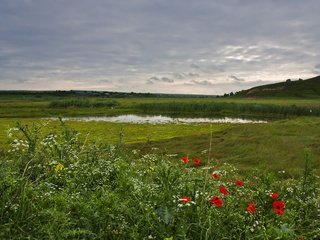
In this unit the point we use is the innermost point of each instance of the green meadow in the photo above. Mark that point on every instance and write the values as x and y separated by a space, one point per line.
109 180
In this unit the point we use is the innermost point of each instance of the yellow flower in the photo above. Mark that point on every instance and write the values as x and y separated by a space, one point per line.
59 167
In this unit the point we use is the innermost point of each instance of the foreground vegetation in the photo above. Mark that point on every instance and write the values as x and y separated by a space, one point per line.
54 186
168 181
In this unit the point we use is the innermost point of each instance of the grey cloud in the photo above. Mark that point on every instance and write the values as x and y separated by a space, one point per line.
316 69
104 81
21 80
179 75
193 74
234 78
165 79
154 79
195 66
149 81
63 41
203 82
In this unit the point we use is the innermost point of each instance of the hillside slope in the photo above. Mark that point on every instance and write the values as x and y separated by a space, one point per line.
309 88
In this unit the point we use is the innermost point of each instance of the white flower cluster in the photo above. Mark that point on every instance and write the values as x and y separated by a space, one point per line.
150 158
49 141
19 145
290 189
11 131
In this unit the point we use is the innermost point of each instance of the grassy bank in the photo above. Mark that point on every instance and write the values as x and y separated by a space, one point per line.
273 146
113 133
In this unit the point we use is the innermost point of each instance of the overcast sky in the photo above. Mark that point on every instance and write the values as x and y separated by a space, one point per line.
170 46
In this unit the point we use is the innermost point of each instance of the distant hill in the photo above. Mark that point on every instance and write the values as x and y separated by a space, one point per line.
309 88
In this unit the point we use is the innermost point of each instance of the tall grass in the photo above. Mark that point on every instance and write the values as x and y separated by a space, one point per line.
228 108
82 103
57 187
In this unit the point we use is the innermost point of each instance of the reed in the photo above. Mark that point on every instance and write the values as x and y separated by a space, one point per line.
229 108
82 103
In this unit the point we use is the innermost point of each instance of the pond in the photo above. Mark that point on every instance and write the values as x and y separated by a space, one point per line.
160 119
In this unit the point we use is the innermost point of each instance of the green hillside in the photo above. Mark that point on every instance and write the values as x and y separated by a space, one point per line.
309 88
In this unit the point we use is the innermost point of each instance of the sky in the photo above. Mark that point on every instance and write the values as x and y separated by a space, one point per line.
158 46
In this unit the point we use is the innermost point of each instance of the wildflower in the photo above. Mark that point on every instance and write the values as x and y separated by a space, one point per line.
223 190
196 161
59 167
217 201
290 189
274 195
215 175
239 183
278 207
251 208
185 159
184 199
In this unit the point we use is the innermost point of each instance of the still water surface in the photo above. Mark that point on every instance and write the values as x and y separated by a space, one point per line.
159 119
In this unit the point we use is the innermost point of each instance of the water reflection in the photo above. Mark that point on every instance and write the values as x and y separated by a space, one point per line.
159 119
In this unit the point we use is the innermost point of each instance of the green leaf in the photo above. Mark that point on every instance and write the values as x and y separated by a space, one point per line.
165 214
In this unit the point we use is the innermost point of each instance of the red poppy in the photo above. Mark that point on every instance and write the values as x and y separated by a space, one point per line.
251 208
278 207
215 175
185 159
239 183
274 195
217 201
223 190
184 199
280 212
196 161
